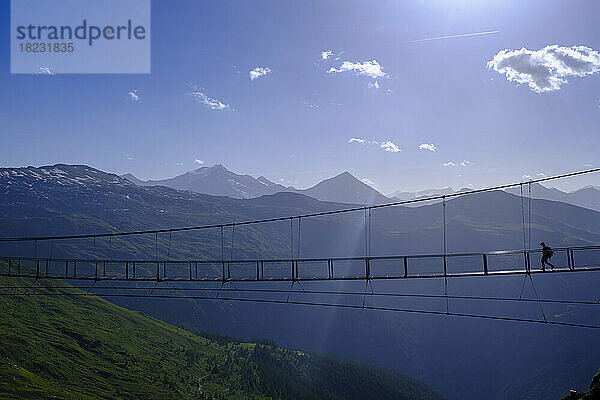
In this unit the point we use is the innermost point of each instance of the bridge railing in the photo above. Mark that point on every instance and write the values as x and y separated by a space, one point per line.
505 262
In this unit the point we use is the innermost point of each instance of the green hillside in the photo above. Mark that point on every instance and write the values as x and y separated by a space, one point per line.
82 347
593 394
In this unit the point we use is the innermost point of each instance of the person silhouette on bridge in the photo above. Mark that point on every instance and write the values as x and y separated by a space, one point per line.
547 254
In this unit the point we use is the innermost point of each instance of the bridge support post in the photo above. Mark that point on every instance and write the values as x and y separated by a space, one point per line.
572 259
293 271
37 269
367 268
405 266
9 265
258 270
485 265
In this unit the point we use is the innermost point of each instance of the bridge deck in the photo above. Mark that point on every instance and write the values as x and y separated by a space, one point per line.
494 263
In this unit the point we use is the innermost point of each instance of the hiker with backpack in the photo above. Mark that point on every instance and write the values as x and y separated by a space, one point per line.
547 254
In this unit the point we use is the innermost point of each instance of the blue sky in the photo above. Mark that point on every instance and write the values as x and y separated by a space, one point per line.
293 123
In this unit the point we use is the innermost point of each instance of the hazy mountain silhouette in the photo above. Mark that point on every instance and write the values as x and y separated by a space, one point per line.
344 188
217 181
401 195
588 197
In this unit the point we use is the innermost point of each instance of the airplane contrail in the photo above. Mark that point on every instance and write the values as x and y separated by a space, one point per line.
452 36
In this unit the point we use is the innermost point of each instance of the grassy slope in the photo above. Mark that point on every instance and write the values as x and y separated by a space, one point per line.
82 347
593 394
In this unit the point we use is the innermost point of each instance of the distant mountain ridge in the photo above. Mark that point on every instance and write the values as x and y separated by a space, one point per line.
216 181
219 181
587 197
344 188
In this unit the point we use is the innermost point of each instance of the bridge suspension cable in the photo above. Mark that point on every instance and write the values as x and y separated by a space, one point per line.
333 305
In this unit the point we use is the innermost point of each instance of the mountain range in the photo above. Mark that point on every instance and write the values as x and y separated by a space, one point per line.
342 188
588 197
218 181
452 355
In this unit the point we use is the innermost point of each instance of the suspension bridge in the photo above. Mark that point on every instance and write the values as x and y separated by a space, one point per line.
178 275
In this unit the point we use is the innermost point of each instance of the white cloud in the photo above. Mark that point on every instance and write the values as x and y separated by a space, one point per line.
371 69
356 140
526 176
258 72
133 95
325 54
374 85
547 69
449 164
465 163
45 71
179 163
427 146
367 181
311 105
389 146
541 175
198 161
129 157
197 93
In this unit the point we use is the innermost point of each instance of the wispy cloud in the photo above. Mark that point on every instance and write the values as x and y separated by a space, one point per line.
356 140
546 69
197 93
387 145
374 85
325 54
179 163
427 146
133 95
460 35
258 72
463 163
372 69
129 157
45 71
197 161
312 106
528 177
391 147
